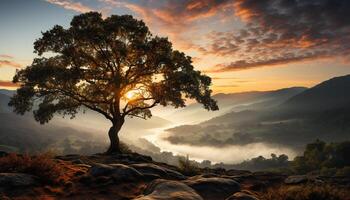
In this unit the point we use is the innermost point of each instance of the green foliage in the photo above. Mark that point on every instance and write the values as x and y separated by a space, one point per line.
327 158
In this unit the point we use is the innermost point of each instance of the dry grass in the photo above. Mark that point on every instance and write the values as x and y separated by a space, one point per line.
307 192
42 166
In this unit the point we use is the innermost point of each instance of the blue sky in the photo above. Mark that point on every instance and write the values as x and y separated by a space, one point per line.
243 45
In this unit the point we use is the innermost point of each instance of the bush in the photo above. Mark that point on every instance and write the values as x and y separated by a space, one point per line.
124 148
308 192
42 166
343 172
188 167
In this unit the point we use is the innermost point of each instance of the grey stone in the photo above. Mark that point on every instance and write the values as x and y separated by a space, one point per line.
242 196
165 173
17 179
296 179
169 190
214 188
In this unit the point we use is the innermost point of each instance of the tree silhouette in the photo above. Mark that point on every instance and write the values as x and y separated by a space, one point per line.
113 66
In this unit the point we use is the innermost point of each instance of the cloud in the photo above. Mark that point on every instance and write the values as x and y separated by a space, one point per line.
281 32
249 64
5 56
71 5
7 84
8 63
175 18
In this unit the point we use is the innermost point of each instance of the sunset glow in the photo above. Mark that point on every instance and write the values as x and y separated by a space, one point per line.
232 41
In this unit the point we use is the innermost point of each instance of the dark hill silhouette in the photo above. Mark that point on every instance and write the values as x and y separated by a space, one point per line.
256 100
328 95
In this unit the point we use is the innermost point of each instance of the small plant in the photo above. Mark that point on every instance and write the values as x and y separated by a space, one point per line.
42 166
187 167
309 192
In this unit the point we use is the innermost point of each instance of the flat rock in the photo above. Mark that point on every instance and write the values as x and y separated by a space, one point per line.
118 172
125 173
242 196
98 169
297 179
17 179
165 173
214 188
161 189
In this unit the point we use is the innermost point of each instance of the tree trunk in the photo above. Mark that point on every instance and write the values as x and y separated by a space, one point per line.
114 147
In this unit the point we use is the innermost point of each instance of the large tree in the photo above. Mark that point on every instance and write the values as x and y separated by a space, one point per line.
113 66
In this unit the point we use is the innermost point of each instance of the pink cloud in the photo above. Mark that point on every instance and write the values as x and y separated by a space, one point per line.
71 5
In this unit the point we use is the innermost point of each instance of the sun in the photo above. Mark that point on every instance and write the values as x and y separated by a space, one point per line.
131 94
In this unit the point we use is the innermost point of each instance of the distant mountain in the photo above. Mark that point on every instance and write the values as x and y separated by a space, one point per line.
7 92
257 100
23 133
4 99
328 95
321 112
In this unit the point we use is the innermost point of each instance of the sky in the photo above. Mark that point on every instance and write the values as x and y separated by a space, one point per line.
244 45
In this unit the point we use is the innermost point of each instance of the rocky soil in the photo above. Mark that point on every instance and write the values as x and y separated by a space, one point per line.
134 176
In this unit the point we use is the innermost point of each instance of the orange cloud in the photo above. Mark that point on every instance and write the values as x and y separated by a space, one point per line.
7 84
70 5
8 63
5 56
281 32
175 18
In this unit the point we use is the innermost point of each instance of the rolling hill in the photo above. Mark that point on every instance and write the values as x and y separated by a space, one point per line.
321 112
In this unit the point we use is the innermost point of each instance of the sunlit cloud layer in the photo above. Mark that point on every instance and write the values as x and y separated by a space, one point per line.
9 63
7 84
235 37
280 32
71 5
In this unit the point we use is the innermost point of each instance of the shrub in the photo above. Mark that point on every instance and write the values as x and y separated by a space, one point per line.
124 148
306 192
345 171
187 167
42 166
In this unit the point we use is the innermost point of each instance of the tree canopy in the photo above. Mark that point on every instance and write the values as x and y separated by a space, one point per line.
113 66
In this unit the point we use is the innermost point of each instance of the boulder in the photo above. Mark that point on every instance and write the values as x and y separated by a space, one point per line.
17 179
3 154
125 173
118 172
242 196
165 173
297 179
161 189
214 188
98 169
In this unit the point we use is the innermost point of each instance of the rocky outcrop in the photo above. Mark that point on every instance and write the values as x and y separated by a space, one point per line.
242 196
297 179
150 168
214 188
118 172
17 180
168 190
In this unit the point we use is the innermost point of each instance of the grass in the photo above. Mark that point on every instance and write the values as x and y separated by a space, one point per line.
306 192
42 166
